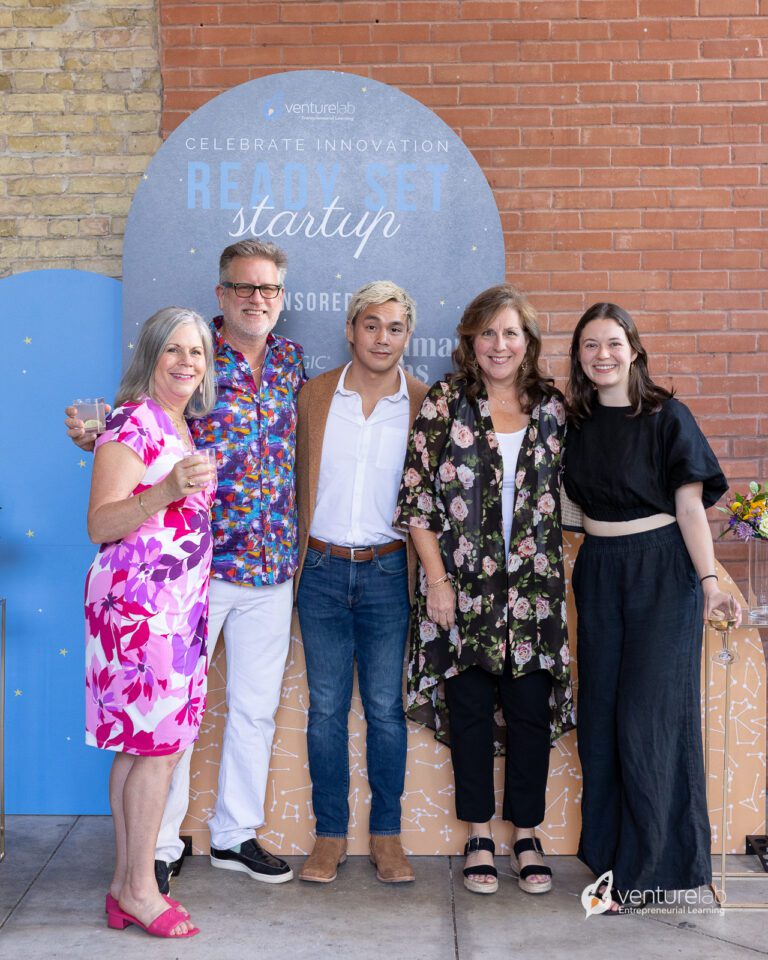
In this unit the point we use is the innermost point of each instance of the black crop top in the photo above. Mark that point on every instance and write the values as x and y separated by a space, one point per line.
619 467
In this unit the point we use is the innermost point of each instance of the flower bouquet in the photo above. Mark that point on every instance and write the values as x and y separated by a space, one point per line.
748 521
748 514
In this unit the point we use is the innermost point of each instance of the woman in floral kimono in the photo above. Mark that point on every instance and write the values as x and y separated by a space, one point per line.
480 498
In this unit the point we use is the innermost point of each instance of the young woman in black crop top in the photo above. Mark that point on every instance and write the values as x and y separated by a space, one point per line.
644 579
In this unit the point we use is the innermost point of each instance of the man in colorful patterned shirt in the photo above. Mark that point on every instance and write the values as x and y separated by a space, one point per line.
253 431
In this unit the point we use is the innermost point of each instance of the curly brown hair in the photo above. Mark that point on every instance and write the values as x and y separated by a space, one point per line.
645 396
532 385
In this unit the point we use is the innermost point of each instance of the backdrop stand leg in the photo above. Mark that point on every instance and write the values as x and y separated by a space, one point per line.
719 892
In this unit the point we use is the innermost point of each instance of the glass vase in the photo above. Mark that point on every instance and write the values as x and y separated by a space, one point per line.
757 595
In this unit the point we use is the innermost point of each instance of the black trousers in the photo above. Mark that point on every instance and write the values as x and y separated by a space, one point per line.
471 697
644 808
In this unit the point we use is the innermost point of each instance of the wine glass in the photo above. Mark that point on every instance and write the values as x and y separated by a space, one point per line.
723 619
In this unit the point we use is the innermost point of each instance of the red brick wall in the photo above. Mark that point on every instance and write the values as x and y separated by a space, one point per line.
626 149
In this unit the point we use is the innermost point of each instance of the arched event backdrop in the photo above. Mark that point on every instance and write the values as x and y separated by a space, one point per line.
352 178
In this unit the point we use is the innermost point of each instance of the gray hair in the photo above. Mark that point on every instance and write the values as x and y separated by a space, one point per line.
381 291
138 379
253 248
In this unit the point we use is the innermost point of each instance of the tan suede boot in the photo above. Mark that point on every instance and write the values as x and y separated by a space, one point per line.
391 863
320 866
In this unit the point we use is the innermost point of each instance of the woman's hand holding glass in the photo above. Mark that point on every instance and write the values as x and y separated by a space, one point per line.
189 475
720 605
441 604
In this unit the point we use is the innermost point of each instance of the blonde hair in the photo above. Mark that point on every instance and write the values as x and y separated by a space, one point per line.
381 291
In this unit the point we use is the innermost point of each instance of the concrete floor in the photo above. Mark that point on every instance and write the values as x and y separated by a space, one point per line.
56 871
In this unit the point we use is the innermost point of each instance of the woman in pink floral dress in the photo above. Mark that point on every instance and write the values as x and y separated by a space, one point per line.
146 599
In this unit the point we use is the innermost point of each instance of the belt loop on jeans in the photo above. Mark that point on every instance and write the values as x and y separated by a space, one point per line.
356 554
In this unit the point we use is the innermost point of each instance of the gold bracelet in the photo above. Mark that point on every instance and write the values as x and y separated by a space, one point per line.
444 579
143 508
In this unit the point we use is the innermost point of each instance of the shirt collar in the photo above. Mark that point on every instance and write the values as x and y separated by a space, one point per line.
220 343
343 391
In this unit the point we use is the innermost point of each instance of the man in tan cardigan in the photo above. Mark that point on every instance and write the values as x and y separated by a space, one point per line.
353 577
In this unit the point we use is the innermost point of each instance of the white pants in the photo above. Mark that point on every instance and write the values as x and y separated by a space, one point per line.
257 633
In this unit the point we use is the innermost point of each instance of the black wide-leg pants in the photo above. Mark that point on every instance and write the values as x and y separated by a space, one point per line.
644 807
471 696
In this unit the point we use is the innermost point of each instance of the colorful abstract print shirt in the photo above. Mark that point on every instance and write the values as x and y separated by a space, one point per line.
253 429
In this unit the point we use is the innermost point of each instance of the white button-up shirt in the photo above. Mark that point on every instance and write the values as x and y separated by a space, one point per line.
360 468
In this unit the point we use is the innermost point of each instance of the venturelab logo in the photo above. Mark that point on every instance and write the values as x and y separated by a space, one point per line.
596 898
277 106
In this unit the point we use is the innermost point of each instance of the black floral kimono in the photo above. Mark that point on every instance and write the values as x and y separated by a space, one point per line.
452 485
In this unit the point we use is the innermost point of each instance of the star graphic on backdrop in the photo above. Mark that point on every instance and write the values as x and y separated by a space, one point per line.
81 463
364 89
30 533
27 339
442 303
474 247
145 176
192 250
63 652
338 276
17 693
130 346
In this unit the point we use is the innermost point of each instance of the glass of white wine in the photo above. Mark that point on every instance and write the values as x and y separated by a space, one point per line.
723 619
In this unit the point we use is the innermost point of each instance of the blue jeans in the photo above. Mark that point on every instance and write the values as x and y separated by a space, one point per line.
355 611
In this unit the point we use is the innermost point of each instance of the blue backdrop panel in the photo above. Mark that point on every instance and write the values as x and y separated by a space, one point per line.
59 339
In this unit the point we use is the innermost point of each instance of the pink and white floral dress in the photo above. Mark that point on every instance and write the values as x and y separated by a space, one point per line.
146 607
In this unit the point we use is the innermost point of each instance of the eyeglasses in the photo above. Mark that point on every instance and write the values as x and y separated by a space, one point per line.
244 290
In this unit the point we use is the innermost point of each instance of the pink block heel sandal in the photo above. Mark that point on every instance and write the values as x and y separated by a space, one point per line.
160 927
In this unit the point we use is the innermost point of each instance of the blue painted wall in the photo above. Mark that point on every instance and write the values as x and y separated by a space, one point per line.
59 339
